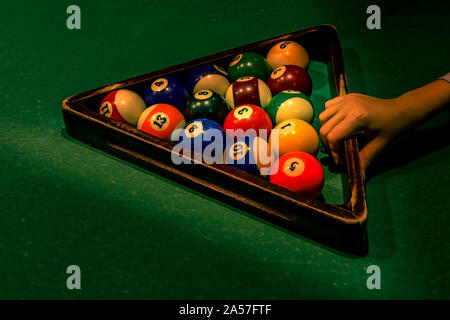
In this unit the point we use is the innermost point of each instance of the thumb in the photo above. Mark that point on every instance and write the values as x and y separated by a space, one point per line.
371 150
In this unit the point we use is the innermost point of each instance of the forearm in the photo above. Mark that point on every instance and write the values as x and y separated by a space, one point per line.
422 102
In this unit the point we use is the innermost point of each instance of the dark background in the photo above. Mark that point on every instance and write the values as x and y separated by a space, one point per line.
136 235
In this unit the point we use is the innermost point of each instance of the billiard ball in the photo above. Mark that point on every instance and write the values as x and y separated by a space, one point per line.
209 76
205 137
122 105
247 119
166 90
294 135
248 64
206 104
299 172
250 153
248 90
161 120
287 52
289 77
290 105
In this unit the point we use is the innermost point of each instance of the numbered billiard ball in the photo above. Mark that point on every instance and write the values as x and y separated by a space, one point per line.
166 90
289 77
247 119
299 172
161 120
248 90
294 135
206 104
205 137
122 105
248 64
290 105
209 77
250 153
287 52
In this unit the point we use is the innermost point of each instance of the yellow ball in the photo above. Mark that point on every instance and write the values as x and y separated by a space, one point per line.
294 135
287 52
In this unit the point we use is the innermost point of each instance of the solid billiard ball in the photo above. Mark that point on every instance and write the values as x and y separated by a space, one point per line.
299 172
209 77
294 135
289 77
206 104
248 90
287 52
247 119
122 105
166 90
248 64
203 136
161 120
290 105
250 153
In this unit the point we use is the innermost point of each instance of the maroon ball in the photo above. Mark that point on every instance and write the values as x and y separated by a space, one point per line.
289 77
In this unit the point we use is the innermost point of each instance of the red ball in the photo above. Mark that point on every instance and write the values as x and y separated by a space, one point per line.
245 117
290 77
299 172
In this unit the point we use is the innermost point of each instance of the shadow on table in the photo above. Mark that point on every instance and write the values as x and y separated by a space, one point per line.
65 135
411 147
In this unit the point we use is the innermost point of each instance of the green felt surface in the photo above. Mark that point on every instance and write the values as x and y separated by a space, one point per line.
137 235
333 190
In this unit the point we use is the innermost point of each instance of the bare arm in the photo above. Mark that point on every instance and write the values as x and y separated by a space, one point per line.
383 119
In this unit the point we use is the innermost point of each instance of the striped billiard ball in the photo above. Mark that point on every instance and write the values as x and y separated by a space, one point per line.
208 77
122 105
290 104
161 120
251 154
248 90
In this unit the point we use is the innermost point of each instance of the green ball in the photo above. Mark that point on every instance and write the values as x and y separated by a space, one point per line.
290 104
249 64
206 104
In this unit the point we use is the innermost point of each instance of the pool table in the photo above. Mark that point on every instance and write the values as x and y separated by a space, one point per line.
137 235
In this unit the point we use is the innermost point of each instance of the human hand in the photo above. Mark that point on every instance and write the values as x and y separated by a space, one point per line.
381 119
349 115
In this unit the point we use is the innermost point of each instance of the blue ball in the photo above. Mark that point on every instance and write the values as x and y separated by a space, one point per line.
166 90
209 77
240 154
202 135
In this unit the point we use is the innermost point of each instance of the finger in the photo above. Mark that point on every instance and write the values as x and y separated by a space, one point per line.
329 125
345 129
333 101
327 114
371 150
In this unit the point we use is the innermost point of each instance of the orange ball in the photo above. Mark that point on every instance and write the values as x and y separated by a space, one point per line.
161 120
294 135
287 52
